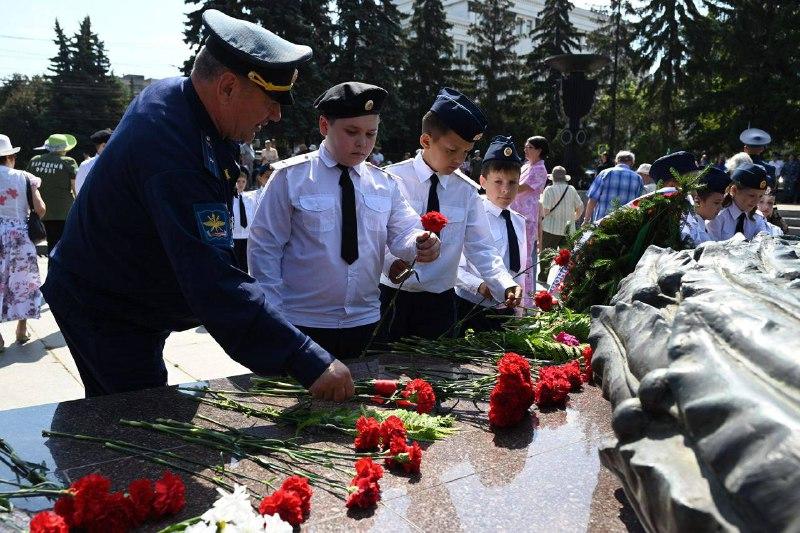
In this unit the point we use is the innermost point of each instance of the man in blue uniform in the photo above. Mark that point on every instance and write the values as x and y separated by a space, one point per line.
147 248
755 142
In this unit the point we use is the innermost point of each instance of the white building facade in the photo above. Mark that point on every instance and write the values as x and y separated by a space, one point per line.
459 15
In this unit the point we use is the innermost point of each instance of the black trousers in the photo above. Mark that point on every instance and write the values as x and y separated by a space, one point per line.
240 251
419 314
54 229
342 343
111 355
551 240
480 318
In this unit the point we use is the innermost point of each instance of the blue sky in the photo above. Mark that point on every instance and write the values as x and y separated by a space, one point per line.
141 37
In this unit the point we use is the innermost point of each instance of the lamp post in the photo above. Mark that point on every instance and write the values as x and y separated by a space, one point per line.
577 97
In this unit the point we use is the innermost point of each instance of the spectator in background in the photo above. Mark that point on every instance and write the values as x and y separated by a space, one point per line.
19 271
244 208
475 163
377 157
766 206
263 173
605 162
561 206
269 154
302 149
247 156
704 161
617 185
720 164
777 162
406 155
737 160
644 172
99 138
791 175
57 172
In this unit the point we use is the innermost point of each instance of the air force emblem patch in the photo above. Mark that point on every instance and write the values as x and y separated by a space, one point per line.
213 222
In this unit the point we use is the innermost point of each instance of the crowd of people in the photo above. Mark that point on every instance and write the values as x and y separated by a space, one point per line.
323 253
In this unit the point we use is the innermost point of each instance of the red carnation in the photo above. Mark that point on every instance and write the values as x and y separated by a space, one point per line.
368 434
389 428
552 388
587 364
116 514
405 456
420 392
299 485
512 395
65 507
385 387
170 495
434 221
562 259
572 371
286 503
367 468
141 495
363 493
48 522
89 498
544 300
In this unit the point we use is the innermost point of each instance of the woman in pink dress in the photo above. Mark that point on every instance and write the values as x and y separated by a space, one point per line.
533 178
19 272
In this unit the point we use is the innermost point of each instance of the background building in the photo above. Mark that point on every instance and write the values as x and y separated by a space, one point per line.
459 15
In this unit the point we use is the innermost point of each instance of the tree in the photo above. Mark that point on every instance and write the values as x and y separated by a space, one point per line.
553 34
732 85
430 64
87 97
495 64
662 51
371 48
23 113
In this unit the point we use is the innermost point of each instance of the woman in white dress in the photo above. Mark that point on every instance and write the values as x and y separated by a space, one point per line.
19 272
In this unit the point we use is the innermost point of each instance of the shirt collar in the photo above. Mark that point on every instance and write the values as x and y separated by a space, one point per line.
424 172
327 158
492 208
623 165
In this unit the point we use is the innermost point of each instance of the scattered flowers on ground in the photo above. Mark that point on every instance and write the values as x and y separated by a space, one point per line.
364 490
292 502
233 512
565 338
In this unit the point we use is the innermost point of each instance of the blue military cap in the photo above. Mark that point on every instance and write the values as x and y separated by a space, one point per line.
755 137
351 99
256 53
460 114
681 162
502 149
750 176
715 180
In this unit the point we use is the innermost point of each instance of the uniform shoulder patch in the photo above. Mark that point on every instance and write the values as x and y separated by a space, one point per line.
213 224
467 179
296 160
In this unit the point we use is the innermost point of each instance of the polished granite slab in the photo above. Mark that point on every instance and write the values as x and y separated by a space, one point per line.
546 473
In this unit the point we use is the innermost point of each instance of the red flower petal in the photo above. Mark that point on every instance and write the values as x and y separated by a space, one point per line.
286 504
433 221
48 522
170 495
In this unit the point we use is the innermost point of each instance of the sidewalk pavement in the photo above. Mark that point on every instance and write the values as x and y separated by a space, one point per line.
42 370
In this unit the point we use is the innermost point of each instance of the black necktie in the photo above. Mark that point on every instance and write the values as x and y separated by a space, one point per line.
242 212
513 244
740 224
433 196
349 224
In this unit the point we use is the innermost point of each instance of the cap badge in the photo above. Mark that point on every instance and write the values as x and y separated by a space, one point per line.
369 105
762 185
508 151
478 137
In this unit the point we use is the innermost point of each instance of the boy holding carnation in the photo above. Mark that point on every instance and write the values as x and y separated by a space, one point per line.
425 306
318 238
500 173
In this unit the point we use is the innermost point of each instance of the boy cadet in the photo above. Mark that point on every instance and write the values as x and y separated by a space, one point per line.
431 181
319 236
147 247
500 178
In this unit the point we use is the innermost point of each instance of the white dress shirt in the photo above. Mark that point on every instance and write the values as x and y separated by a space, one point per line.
468 277
467 231
249 199
294 250
83 171
723 227
694 227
